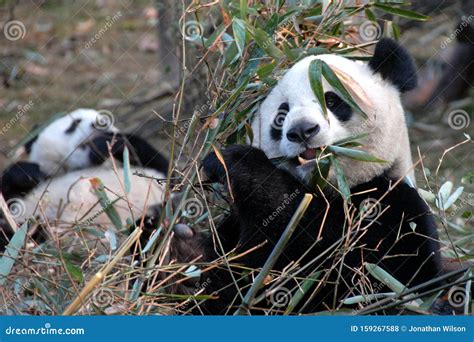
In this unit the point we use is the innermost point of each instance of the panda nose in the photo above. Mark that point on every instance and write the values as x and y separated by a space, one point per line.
303 131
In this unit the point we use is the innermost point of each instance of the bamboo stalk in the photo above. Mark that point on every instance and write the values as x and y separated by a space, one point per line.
285 237
99 276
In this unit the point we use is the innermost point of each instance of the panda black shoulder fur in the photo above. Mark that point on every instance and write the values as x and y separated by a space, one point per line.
402 239
65 156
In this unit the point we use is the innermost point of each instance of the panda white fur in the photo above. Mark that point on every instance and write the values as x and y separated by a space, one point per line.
55 185
386 128
333 237
61 146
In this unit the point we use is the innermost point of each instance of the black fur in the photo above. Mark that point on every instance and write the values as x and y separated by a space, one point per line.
141 152
341 109
277 127
259 189
394 63
20 178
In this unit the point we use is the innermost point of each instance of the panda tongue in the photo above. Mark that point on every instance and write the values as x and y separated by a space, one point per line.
309 154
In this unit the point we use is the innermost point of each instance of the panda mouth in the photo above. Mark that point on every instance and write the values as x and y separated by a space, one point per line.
307 156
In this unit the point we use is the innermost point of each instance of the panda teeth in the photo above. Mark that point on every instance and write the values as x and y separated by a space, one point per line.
302 161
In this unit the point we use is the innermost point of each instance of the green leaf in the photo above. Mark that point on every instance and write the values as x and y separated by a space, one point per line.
381 275
74 271
354 154
301 291
453 198
243 8
370 15
334 81
341 180
320 173
443 194
367 298
238 26
106 203
266 69
265 42
126 170
315 80
468 179
213 37
402 12
11 252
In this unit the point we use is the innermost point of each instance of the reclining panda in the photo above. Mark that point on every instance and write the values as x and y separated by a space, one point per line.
54 183
402 237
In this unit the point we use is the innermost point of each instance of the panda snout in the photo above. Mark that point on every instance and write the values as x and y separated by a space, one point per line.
302 131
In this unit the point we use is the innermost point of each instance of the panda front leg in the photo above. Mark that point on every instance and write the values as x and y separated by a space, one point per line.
264 197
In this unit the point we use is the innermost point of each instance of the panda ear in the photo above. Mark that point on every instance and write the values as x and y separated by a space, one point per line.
394 63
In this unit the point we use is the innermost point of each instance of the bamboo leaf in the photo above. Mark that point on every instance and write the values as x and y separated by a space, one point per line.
11 252
315 80
334 81
105 202
301 291
381 275
238 26
453 198
265 42
354 154
401 12
74 271
126 170
367 298
341 180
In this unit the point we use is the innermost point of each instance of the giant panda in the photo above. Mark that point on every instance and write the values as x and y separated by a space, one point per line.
401 239
57 182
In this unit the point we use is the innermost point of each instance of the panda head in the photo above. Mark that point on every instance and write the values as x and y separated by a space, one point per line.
61 146
291 122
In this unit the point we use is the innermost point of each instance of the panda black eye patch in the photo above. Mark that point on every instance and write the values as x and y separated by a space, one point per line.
277 124
341 109
73 126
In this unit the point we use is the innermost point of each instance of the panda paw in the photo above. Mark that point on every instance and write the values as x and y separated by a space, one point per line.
238 159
